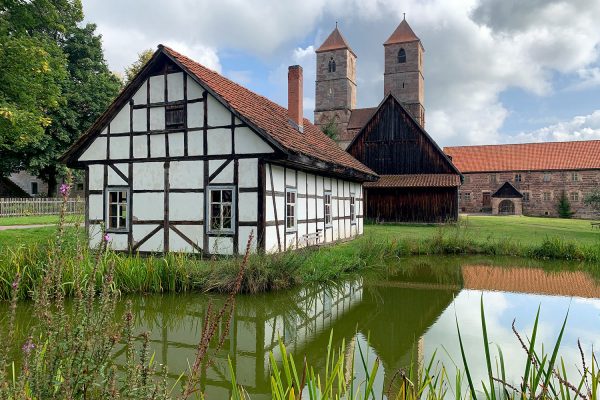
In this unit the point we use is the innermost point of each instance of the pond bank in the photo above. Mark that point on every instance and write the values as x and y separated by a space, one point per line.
183 273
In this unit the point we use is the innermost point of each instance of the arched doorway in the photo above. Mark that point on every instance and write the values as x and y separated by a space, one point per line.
506 207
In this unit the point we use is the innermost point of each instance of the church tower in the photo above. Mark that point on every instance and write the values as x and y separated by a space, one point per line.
335 94
403 72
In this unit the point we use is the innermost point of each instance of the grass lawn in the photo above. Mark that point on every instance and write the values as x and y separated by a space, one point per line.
37 220
524 230
25 237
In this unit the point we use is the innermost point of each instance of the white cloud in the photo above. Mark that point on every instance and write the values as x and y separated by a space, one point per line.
475 49
585 127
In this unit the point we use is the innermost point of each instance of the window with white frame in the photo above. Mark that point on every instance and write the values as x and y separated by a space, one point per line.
352 208
575 176
547 196
518 178
327 202
547 176
220 209
117 209
290 209
574 196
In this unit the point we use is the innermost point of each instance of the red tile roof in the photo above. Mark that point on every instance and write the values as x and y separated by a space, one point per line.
335 41
272 118
415 180
527 156
402 34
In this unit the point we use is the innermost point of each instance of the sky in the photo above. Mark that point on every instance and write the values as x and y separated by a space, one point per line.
496 71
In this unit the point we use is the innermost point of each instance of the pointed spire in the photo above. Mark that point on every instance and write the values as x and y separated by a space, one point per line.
335 41
402 34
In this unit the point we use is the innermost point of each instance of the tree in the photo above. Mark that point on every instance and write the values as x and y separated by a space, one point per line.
564 206
593 200
133 69
331 129
54 82
88 91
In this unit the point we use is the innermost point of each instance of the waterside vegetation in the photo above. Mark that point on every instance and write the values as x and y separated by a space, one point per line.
69 353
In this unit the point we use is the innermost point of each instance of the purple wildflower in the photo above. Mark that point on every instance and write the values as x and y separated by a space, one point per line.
15 284
64 189
28 346
106 237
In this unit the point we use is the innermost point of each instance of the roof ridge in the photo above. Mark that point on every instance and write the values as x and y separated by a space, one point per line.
520 144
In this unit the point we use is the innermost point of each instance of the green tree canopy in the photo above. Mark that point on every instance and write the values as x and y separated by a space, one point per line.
54 82
133 69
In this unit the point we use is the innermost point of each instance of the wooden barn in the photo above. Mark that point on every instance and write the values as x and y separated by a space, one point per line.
418 182
187 160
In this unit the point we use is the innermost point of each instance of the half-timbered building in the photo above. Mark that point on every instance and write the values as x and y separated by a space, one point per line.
187 160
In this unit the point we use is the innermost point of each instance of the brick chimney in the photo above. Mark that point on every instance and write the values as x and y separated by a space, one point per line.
295 95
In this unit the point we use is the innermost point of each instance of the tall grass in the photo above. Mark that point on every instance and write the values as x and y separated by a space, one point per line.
176 272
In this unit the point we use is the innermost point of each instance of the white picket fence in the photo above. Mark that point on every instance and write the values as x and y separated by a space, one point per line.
16 207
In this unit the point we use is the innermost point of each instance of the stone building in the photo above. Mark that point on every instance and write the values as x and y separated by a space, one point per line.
336 91
540 172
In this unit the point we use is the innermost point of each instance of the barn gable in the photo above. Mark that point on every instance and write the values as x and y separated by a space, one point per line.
393 143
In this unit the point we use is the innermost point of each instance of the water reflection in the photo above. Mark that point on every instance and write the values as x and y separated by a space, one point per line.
406 314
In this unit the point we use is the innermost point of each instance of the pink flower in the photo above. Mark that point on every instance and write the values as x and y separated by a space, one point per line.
64 189
106 237
28 346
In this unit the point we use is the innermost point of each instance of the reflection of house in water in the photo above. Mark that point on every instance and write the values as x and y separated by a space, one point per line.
394 313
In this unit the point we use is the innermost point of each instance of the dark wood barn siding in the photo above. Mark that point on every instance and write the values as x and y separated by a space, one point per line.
392 143
412 204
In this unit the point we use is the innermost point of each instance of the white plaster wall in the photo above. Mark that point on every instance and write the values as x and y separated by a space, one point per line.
157 145
96 206
248 172
141 96
104 131
140 146
95 235
278 184
194 90
290 177
96 177
120 123
246 141
218 115
148 175
244 234
154 243
114 178
193 232
175 86
186 206
225 176
118 241
96 150
220 245
195 143
248 206
157 89
119 148
176 144
218 141
195 115
140 120
148 206
157 118
186 175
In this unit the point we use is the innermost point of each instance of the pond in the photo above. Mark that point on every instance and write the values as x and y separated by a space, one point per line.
402 316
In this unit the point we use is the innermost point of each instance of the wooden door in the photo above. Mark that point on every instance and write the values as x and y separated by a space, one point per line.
487 199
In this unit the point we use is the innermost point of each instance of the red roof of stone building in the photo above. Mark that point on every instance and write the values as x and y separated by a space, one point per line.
402 34
527 156
335 41
415 180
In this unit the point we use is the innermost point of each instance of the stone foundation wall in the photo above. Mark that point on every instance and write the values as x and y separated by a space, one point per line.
540 195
